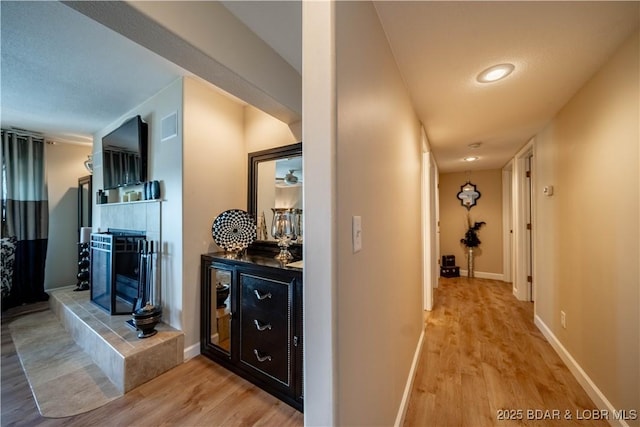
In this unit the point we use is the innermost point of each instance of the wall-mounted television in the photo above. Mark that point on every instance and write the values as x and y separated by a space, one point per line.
124 154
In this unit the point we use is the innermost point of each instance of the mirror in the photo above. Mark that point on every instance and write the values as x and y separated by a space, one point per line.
468 195
275 181
84 202
220 327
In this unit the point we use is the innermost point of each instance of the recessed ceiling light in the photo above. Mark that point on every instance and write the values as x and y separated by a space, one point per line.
495 73
471 159
475 145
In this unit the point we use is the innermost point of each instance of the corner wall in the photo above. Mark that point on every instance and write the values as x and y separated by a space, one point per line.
587 237
453 220
378 170
262 131
165 165
214 180
65 164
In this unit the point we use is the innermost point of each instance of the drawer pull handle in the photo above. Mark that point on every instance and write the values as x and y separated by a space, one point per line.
261 327
261 296
261 358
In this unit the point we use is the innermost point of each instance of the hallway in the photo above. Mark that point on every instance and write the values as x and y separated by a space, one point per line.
482 354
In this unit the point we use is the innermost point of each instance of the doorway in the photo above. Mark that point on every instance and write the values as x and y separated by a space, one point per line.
523 202
430 229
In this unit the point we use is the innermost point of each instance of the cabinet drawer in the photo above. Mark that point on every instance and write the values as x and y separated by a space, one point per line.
265 295
257 325
265 326
267 352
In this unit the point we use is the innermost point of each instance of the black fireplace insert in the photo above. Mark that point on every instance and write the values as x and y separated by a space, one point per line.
115 269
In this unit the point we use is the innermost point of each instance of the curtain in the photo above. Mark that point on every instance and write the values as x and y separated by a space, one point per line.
25 215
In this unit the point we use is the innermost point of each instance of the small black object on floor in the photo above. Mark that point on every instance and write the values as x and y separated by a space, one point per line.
448 266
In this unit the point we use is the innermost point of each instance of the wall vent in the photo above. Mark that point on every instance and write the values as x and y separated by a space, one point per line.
169 126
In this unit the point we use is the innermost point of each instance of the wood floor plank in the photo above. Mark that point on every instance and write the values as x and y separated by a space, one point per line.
482 356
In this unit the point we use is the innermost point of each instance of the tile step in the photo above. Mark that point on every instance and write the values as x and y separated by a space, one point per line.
113 345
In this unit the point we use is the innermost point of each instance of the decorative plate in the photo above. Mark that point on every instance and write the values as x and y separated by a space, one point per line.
233 230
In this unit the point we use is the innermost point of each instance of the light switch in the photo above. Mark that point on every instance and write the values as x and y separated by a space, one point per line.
547 190
357 233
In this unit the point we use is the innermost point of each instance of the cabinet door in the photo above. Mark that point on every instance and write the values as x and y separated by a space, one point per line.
217 306
266 326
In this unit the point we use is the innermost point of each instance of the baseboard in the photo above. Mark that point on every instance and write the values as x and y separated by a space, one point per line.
191 351
484 275
600 400
402 410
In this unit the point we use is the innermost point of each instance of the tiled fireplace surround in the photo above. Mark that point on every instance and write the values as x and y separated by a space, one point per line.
127 360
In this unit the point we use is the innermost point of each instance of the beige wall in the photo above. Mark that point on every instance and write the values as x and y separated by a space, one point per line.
263 131
587 237
453 220
378 161
65 164
214 180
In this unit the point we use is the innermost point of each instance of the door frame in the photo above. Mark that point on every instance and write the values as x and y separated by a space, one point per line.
520 256
430 241
507 222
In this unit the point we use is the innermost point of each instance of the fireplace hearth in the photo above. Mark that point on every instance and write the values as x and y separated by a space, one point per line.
115 269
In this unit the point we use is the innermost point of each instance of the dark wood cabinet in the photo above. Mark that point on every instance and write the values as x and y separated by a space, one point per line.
251 321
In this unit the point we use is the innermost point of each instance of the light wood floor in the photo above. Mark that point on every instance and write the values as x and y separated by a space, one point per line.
196 393
482 353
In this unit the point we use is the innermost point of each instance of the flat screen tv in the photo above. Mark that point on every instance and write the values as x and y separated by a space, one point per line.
124 155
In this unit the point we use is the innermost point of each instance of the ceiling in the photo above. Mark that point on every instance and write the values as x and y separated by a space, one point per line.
67 76
441 47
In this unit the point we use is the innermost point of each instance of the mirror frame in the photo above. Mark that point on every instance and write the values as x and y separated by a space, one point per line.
85 204
255 159
466 194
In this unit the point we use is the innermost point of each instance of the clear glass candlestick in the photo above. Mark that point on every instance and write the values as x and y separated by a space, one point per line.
283 230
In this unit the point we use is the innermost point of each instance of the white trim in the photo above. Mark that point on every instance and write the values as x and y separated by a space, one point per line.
427 287
191 351
483 275
587 384
320 276
520 246
404 404
429 250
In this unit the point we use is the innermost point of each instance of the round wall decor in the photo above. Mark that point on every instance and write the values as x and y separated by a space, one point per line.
233 230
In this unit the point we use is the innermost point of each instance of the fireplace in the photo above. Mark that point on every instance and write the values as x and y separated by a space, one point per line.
114 272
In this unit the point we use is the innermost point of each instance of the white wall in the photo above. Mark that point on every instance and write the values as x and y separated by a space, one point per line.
587 236
64 164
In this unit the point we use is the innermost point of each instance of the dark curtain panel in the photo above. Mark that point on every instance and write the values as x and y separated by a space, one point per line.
25 214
